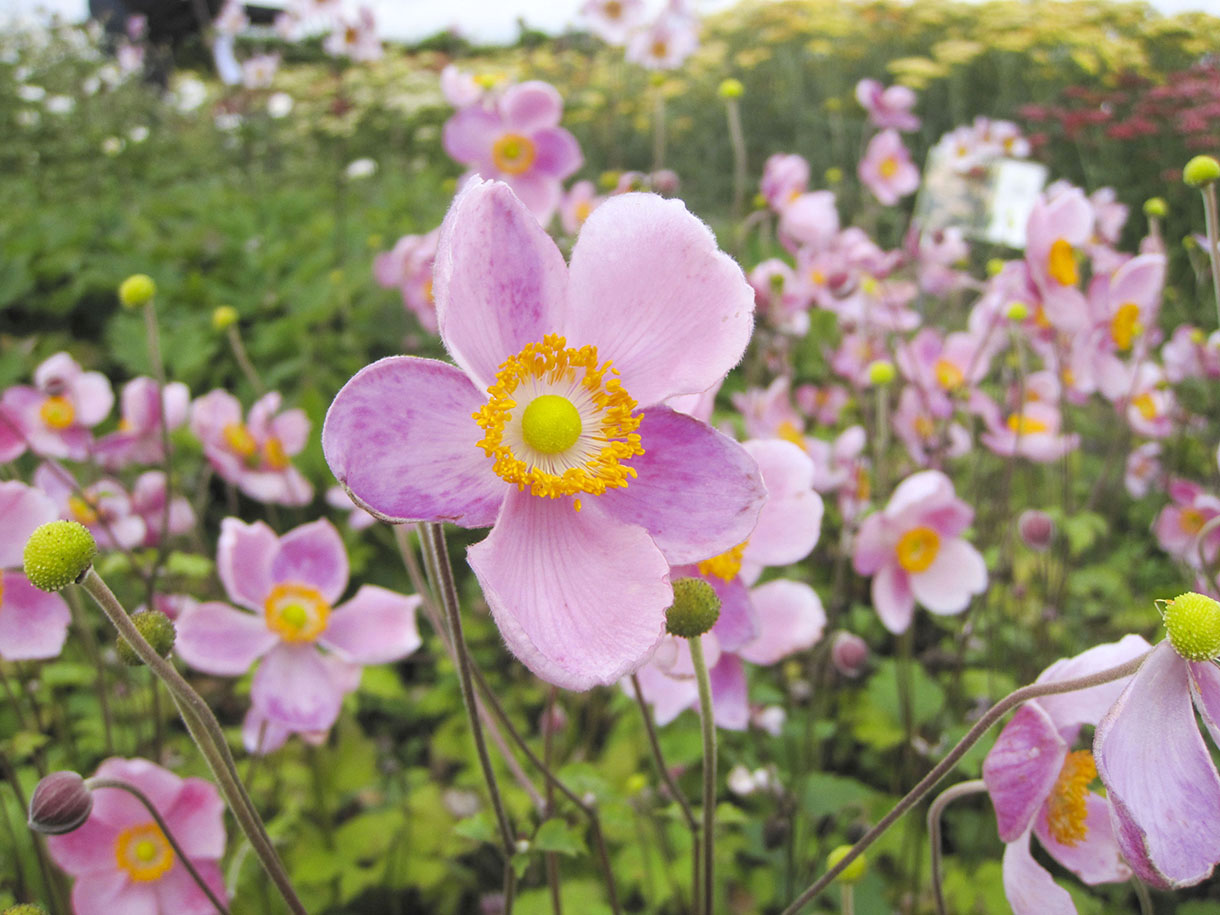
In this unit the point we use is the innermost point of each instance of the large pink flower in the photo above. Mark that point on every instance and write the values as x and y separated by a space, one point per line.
55 415
914 550
537 433
120 858
292 584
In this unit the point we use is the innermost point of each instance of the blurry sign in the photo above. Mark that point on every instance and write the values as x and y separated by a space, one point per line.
989 200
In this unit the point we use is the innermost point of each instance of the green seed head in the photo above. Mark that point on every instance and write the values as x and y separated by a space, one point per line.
854 871
25 908
881 372
224 317
695 609
1156 208
1201 171
58 554
137 290
157 629
1193 623
731 88
1017 312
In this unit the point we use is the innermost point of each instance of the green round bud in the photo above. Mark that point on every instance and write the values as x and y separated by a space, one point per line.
608 180
1156 208
158 631
1201 171
834 175
881 372
995 266
695 609
1017 311
854 871
731 88
759 202
224 317
25 908
657 78
1193 623
137 290
58 554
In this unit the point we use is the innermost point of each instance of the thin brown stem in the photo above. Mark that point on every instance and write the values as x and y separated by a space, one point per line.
943 800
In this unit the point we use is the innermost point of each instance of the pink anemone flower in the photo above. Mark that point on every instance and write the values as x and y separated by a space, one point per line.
138 439
914 550
1179 524
148 496
888 107
104 507
254 455
591 499
666 43
292 584
33 623
887 169
1040 786
120 858
55 415
520 142
613 20
1057 228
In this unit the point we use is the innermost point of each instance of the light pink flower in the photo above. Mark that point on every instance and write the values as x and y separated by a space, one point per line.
33 623
258 71
665 44
822 404
888 107
408 267
809 221
581 200
121 860
1057 227
647 288
1189 353
613 20
55 415
104 507
1031 432
254 455
1142 469
1179 523
914 550
138 439
887 169
520 142
785 178
148 501
292 584
459 87
354 37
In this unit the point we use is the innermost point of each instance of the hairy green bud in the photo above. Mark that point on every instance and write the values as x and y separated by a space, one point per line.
57 554
695 609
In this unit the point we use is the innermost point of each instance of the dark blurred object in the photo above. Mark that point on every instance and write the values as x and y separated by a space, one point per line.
169 21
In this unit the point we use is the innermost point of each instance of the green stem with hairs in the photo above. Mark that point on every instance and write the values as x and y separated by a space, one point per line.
708 726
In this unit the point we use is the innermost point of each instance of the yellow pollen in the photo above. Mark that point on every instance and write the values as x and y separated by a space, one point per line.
1067 807
1125 326
917 549
124 424
239 440
659 48
1145 404
593 460
57 412
1026 425
82 510
1068 377
513 153
143 852
551 424
790 433
888 167
428 294
864 485
818 277
297 612
948 375
1191 520
273 451
924 427
582 211
1041 321
1061 264
726 565
613 10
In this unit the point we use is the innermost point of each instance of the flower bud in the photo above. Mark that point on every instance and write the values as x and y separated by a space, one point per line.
608 181
854 871
1017 312
995 266
555 722
1156 207
137 290
665 181
1201 171
833 175
731 89
1037 529
881 372
1192 622
849 654
57 554
61 803
695 609
224 317
157 629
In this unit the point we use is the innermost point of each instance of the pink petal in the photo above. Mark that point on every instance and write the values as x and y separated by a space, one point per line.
400 436
221 640
955 575
530 105
1095 858
652 291
540 191
892 598
22 508
376 626
89 849
294 687
244 554
1029 888
499 280
579 597
698 493
1021 769
260 735
313 554
291 428
669 697
1159 776
93 398
790 619
791 518
119 809
33 623
468 135
1087 706
107 894
737 624
178 894
557 154
1205 690
874 545
730 694
197 819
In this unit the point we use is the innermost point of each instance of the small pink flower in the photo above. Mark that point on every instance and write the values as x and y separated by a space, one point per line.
809 221
258 71
408 267
292 584
785 178
459 87
55 415
148 501
888 107
33 623
138 439
104 507
520 142
254 455
1180 523
613 20
1058 226
577 204
354 37
769 413
914 550
1143 468
357 519
887 169
824 405
120 858
665 44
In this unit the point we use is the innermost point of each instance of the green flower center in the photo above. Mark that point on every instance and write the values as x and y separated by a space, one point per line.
550 424
1193 623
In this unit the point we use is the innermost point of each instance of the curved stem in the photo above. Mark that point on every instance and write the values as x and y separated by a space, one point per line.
1212 218
943 800
708 726
95 783
929 781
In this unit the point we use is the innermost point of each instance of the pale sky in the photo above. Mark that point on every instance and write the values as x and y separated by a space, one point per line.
483 20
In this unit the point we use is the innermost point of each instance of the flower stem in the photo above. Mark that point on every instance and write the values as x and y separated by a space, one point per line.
158 370
1212 216
243 360
943 800
941 769
737 139
206 732
708 724
95 783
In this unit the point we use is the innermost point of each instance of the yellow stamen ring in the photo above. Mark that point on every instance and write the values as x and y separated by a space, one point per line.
917 549
143 852
297 612
513 153
726 565
559 423
57 412
1067 807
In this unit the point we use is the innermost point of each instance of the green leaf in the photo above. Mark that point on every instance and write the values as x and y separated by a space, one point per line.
557 836
479 828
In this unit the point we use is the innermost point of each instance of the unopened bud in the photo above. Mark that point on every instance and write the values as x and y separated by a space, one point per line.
1017 312
61 803
731 89
1201 171
834 175
854 871
881 372
695 609
849 654
158 631
1037 529
137 290
224 317
57 554
1156 207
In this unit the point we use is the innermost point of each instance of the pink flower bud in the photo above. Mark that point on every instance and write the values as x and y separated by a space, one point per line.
849 654
61 803
1037 529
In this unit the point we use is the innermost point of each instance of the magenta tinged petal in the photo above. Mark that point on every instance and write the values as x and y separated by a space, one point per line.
197 819
1021 769
33 623
730 694
179 894
790 619
22 508
294 687
222 640
376 626
528 106
244 554
791 519
313 554
1029 888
